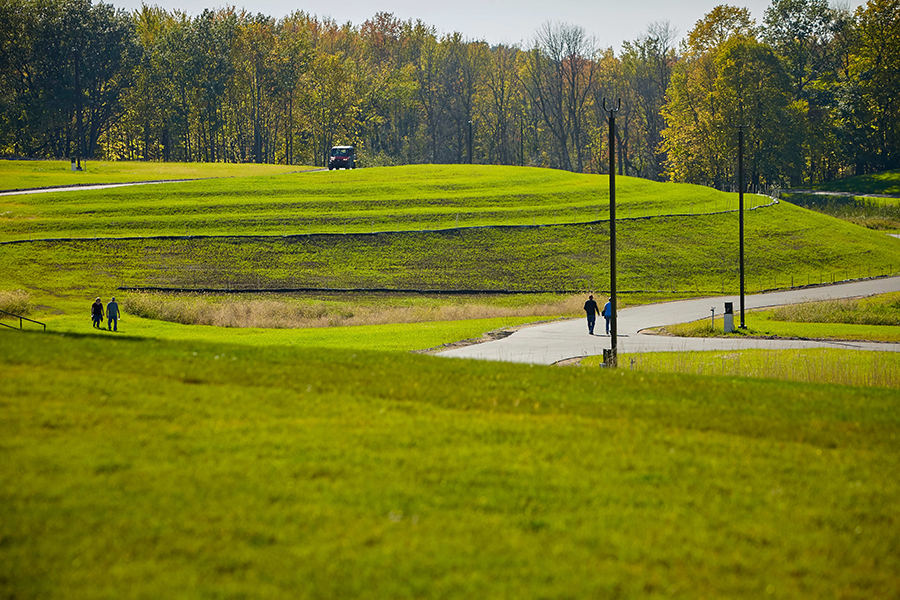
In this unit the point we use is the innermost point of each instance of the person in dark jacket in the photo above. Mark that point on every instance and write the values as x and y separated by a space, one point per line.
591 308
97 312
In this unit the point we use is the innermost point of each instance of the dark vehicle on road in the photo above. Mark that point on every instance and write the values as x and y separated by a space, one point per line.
342 157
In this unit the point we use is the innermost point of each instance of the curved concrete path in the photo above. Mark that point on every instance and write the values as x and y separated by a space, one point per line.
89 186
553 342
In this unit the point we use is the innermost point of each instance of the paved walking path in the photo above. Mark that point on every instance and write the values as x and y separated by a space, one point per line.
553 342
88 186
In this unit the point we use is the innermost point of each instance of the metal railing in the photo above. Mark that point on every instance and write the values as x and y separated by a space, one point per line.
21 319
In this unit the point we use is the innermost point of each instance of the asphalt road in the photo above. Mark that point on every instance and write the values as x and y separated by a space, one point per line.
553 342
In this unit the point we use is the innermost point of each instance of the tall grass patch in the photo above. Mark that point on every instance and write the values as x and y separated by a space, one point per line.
819 366
286 312
880 310
17 302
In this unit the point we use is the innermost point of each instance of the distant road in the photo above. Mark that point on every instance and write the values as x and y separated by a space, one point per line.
553 342
96 186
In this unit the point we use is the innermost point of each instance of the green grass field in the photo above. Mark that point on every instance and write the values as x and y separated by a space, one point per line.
886 182
882 214
860 208
139 468
200 461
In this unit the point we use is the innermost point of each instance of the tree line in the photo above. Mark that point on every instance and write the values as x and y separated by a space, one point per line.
814 87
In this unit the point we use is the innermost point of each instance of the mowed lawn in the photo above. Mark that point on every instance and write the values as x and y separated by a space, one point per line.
157 469
271 201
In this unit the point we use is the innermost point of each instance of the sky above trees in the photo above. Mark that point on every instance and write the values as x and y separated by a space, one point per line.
496 21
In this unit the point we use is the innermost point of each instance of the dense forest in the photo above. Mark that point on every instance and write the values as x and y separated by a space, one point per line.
816 89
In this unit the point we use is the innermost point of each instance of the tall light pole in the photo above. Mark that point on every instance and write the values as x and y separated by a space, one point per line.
740 129
470 142
613 325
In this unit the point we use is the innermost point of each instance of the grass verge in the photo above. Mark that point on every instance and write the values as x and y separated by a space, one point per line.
866 319
867 211
397 337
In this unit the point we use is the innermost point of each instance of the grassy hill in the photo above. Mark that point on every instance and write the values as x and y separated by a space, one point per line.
416 197
426 228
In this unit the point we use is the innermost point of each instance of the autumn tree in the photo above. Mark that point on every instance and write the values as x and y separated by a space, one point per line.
804 33
647 63
559 78
502 106
68 63
872 92
727 79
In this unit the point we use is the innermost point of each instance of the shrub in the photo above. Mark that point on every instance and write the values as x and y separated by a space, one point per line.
15 301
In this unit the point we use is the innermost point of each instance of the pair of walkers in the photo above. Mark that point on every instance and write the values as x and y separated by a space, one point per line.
112 314
592 310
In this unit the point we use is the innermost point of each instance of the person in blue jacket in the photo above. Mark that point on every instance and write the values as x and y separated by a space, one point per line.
112 315
607 313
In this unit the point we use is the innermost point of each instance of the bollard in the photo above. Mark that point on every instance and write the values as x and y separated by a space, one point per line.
729 317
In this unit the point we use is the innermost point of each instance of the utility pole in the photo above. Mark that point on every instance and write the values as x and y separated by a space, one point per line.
613 360
79 133
740 129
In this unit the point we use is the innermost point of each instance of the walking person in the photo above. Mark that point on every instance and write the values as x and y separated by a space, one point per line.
97 313
591 308
607 313
112 314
